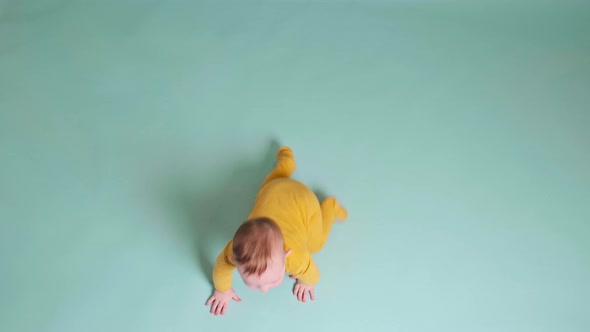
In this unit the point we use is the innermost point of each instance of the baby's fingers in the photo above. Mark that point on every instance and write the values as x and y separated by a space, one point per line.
214 307
223 308
296 291
311 294
220 308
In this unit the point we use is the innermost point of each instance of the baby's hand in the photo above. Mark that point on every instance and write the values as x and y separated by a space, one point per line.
220 301
300 290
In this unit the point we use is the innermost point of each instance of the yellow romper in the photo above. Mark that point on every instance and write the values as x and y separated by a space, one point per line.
304 222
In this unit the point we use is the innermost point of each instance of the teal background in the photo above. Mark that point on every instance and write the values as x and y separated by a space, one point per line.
133 135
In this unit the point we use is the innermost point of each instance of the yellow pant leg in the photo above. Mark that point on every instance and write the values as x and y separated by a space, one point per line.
321 223
284 168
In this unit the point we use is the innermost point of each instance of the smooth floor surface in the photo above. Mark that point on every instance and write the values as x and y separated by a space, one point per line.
134 133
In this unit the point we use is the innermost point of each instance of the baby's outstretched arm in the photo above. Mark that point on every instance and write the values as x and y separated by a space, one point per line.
302 267
222 280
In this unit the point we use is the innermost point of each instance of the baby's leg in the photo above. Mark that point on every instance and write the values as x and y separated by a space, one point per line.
321 223
284 168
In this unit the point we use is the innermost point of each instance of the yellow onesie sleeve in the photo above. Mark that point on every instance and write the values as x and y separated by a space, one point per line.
223 269
301 265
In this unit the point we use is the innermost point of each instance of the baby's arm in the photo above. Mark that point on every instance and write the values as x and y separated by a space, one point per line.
302 267
222 280
223 269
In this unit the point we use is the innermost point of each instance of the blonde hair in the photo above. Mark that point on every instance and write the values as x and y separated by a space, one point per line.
254 242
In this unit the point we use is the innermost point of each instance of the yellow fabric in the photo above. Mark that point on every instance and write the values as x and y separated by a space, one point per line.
304 222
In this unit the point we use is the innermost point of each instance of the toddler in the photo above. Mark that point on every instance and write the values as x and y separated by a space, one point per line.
287 224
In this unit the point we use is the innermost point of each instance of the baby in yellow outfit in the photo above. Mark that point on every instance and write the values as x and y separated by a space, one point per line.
286 226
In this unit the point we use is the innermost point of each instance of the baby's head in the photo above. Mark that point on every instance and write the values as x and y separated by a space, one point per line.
259 253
